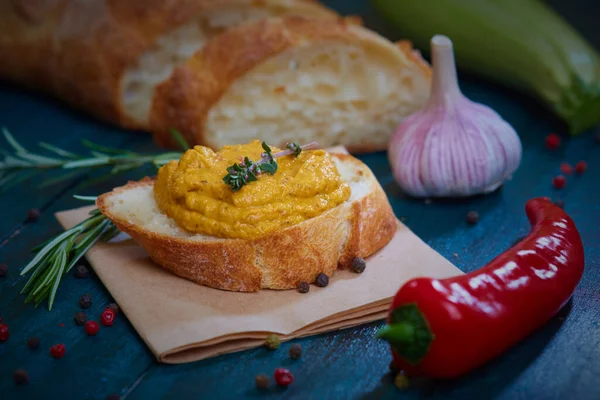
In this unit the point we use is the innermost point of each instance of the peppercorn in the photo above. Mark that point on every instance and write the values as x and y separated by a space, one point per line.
261 381
85 301
58 350
559 182
4 332
81 272
472 217
581 167
3 270
553 141
283 377
272 342
79 318
358 265
401 381
559 203
566 168
295 351
393 368
21 377
33 214
33 343
91 328
322 280
303 287
107 318
114 307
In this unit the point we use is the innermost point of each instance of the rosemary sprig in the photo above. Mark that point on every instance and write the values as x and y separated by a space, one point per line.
22 164
239 175
56 257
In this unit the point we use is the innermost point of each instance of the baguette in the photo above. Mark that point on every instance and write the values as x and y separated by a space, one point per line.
106 56
281 260
293 78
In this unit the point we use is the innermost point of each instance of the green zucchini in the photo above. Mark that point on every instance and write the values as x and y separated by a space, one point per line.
523 44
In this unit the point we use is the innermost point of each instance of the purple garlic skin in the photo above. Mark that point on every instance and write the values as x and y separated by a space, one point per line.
453 147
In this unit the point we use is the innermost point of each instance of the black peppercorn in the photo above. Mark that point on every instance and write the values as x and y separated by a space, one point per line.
358 265
33 343
3 270
560 203
295 351
262 381
33 214
114 307
322 280
472 217
21 377
303 287
85 301
81 272
79 318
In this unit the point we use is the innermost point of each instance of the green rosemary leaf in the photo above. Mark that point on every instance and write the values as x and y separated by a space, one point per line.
12 141
58 150
180 139
105 149
85 198
50 247
89 162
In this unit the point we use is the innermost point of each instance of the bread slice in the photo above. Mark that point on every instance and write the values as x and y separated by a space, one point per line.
357 228
293 79
105 57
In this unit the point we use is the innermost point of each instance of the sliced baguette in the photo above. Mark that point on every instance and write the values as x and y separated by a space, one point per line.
105 57
293 79
357 228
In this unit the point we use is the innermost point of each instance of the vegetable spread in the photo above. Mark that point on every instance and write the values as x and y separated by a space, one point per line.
192 191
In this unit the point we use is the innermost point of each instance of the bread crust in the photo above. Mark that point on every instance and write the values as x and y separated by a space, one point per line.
184 100
78 51
280 260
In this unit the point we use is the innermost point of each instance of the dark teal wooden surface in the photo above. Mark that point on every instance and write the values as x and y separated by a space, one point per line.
559 361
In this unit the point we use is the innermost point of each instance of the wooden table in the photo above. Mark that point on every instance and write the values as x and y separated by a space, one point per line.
560 361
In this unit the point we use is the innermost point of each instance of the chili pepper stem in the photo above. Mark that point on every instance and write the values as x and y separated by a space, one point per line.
397 333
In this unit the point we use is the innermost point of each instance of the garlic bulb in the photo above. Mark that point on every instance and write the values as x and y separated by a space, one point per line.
452 147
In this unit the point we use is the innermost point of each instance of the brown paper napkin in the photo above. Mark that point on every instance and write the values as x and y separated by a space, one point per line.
181 321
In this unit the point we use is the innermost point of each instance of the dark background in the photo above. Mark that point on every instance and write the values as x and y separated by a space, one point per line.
559 361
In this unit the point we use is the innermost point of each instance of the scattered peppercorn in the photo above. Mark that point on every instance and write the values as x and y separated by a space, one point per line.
559 203
261 381
33 214
566 168
272 342
322 280
283 377
81 272
4 332
358 265
581 167
79 318
455 255
85 301
107 318
91 328
295 351
21 377
472 217
58 350
33 343
114 307
401 381
393 367
303 287
553 141
3 270
559 182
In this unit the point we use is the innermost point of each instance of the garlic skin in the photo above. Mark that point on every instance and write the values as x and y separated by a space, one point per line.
452 147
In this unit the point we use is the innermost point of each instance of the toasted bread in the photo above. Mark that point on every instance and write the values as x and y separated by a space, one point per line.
281 260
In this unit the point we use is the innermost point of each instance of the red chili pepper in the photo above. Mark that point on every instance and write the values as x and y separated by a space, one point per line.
445 328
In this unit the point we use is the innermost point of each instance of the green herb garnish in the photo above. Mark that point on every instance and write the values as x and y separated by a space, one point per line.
239 175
